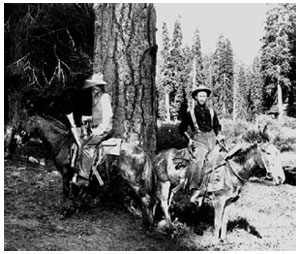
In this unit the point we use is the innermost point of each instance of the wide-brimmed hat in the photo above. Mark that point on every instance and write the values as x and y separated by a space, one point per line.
95 80
201 88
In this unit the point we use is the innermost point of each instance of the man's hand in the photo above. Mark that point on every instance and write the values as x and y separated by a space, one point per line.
220 138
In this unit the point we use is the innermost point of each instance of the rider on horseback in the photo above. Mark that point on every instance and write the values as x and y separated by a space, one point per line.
206 128
101 121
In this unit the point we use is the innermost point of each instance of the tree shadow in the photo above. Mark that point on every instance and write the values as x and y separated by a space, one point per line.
201 219
242 223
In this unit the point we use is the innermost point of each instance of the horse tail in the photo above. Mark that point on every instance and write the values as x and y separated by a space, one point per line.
148 174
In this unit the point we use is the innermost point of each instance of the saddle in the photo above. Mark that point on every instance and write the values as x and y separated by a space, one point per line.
111 146
182 158
213 177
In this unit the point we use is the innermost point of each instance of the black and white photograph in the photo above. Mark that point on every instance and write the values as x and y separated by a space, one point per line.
157 126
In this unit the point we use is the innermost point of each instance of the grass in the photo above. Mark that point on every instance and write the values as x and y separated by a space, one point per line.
284 137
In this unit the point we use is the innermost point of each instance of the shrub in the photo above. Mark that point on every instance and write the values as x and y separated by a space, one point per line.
285 140
283 137
168 136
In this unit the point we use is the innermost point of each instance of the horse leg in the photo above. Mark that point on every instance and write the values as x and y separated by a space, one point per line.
224 222
219 205
67 204
164 197
145 199
175 190
66 182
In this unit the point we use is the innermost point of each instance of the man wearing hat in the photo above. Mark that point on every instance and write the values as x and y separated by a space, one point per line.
206 129
101 127
202 120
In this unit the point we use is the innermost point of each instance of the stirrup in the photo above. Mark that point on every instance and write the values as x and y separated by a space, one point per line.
80 181
74 150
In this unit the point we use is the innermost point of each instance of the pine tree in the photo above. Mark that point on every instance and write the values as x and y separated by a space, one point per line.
197 62
241 94
176 68
125 52
256 86
48 46
163 76
223 77
277 57
196 50
187 79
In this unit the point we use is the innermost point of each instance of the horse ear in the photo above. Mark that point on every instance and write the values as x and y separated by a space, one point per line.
264 133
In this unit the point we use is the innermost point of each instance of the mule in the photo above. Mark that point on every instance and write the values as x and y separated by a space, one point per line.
231 173
133 162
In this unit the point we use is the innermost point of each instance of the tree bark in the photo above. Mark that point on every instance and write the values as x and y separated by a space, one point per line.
125 52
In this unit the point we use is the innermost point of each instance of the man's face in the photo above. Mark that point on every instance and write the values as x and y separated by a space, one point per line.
201 97
96 89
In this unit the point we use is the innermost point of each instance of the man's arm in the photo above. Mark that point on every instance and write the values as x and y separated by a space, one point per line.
70 117
183 126
217 127
107 115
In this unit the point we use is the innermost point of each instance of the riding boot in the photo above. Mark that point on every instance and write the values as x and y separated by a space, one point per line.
80 181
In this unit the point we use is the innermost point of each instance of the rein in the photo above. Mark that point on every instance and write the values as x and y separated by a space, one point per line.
242 179
263 160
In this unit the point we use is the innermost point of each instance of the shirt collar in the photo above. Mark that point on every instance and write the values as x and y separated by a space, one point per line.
201 106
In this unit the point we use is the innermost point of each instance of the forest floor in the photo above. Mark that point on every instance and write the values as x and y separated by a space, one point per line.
263 219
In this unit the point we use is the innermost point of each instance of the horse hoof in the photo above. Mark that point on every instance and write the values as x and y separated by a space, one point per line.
163 224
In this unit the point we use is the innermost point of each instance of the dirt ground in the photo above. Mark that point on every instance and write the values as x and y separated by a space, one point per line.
263 219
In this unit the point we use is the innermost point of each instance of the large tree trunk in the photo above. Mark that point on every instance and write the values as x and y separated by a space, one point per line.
125 52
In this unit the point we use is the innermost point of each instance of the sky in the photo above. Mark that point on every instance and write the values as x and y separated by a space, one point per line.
241 23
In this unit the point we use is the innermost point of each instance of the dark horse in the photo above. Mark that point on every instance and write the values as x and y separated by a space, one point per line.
133 162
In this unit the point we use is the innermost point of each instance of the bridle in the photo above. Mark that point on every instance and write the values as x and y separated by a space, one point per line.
242 179
262 150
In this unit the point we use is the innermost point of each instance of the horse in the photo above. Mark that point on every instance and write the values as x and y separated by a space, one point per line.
231 172
133 162
264 156
170 168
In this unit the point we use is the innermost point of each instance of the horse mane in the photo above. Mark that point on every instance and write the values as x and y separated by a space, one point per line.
241 153
55 121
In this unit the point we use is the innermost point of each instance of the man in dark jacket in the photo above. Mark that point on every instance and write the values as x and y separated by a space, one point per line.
202 120
206 129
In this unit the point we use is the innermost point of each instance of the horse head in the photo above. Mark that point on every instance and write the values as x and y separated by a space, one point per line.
50 130
270 160
264 156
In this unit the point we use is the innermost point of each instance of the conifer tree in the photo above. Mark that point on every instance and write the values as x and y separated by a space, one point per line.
176 68
277 57
196 50
241 94
187 78
256 86
163 77
223 77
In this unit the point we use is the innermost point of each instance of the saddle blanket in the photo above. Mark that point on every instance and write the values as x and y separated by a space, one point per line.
111 146
216 181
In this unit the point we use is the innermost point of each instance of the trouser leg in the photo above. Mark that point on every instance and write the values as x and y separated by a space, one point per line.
88 154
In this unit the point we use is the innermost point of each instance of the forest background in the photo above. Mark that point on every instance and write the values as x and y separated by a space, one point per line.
57 47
